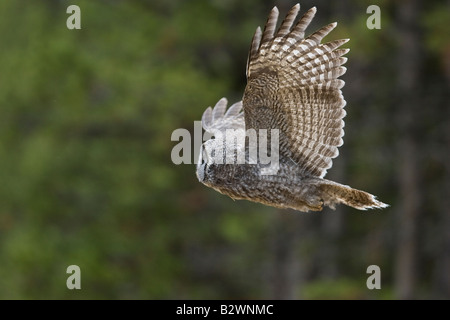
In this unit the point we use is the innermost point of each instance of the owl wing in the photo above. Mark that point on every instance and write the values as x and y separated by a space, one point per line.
292 86
218 119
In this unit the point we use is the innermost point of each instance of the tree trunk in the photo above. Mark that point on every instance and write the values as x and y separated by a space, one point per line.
408 170
332 224
286 269
442 272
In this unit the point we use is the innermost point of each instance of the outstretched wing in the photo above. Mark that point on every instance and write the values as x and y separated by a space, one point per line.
217 119
292 86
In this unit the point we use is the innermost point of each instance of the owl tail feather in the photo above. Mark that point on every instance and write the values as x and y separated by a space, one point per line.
335 193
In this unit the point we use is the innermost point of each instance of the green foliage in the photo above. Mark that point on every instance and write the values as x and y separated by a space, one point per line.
438 30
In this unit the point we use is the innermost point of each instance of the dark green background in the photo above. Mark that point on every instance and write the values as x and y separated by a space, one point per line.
86 176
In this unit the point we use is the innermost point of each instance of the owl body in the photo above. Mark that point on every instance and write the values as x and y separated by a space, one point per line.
293 94
289 188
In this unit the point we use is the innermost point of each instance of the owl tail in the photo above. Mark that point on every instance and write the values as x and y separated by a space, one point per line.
334 193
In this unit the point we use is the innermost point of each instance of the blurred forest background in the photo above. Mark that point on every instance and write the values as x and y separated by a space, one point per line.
87 179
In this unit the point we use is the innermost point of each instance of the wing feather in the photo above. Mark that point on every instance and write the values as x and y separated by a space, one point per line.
293 85
287 23
217 119
298 32
271 25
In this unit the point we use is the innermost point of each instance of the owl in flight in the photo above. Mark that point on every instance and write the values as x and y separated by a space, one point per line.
293 95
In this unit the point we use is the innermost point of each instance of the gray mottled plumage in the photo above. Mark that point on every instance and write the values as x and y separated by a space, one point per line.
292 86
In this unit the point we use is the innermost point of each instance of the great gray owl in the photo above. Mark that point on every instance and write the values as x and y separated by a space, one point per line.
293 92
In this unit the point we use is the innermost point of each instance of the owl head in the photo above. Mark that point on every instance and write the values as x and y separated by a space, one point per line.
208 155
